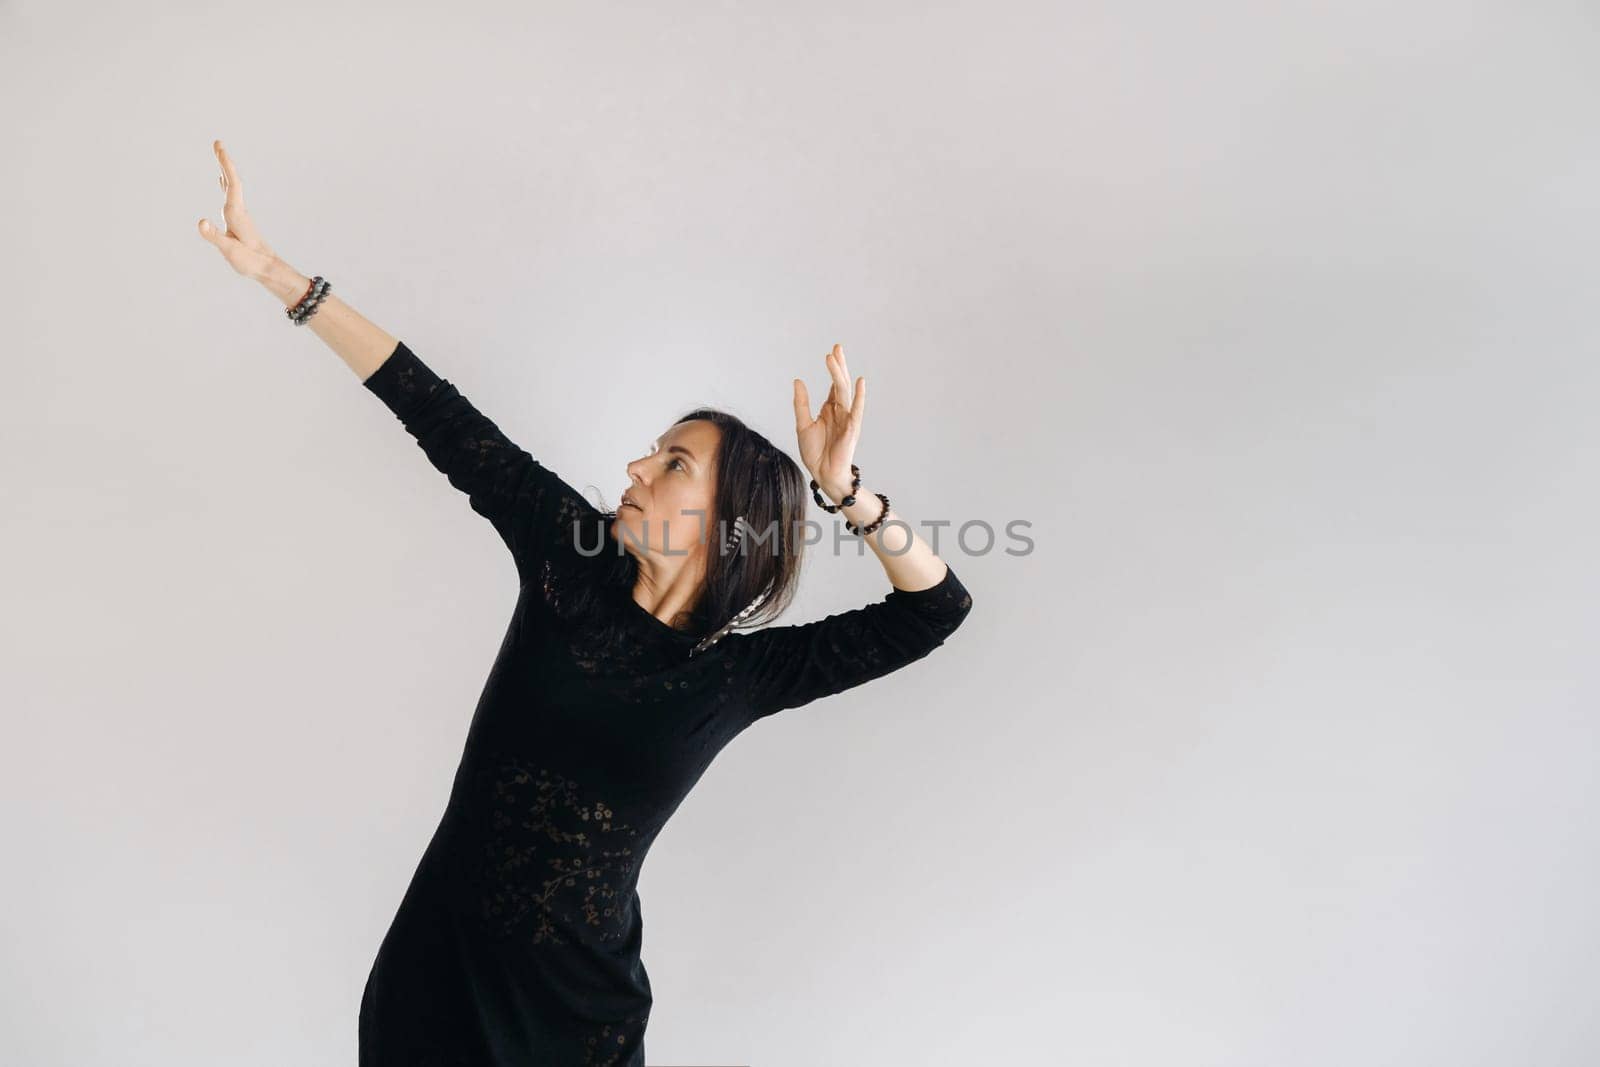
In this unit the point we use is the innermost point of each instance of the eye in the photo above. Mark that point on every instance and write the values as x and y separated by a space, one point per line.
678 461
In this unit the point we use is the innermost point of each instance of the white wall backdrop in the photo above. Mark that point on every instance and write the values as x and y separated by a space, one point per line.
1276 322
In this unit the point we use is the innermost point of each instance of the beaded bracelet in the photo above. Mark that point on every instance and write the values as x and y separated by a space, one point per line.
308 304
855 483
862 531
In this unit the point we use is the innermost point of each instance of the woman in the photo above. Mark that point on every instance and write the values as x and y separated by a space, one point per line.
619 679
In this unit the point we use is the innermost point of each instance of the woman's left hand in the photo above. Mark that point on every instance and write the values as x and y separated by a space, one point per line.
828 442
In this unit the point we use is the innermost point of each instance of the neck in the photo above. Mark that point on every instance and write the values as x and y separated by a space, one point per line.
668 589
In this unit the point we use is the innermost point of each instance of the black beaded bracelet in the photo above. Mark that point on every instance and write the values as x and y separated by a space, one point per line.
862 531
309 303
855 483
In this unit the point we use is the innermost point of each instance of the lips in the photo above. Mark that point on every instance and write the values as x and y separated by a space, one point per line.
628 502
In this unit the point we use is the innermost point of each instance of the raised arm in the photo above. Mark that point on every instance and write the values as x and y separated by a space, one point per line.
534 511
789 666
531 507
358 342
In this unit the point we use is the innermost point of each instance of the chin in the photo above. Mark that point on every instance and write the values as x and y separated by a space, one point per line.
615 527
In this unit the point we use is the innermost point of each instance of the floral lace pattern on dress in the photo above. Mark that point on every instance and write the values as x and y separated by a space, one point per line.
613 1044
553 860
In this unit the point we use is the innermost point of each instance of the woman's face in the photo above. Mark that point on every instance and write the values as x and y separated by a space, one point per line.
668 504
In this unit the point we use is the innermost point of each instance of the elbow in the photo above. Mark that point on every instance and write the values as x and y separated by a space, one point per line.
959 610
963 607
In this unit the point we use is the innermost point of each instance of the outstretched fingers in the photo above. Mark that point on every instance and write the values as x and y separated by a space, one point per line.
230 177
851 402
234 213
802 407
840 391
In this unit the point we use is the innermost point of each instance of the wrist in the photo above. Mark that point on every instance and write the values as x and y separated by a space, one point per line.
836 484
834 492
283 281
867 509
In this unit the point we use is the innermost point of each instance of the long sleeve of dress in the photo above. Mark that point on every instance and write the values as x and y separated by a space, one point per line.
527 503
790 666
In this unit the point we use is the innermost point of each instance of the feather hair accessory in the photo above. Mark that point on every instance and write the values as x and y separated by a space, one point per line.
732 542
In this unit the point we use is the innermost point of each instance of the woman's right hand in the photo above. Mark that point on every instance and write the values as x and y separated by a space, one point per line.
241 246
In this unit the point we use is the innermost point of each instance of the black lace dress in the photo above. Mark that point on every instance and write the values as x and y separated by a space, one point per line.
518 939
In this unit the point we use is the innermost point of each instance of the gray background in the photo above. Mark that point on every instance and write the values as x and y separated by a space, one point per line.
1275 320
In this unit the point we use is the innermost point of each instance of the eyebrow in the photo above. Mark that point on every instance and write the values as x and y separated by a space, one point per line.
677 448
